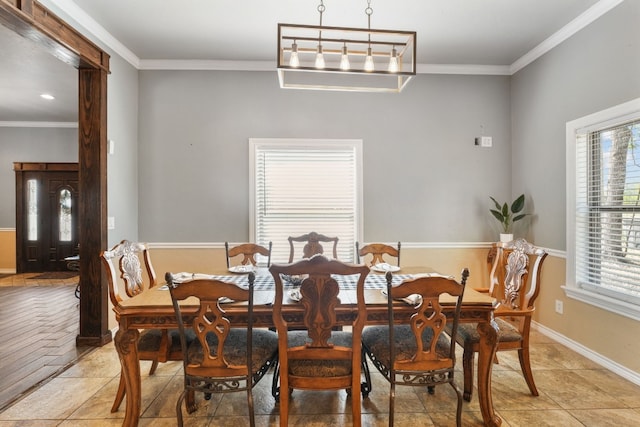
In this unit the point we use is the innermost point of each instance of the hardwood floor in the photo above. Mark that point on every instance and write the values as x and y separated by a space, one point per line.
39 322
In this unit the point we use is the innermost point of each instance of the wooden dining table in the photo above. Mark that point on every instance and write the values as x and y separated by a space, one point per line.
153 309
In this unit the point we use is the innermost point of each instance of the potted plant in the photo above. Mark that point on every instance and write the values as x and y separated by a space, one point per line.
507 215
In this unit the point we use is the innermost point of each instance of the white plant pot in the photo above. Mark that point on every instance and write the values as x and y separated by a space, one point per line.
504 237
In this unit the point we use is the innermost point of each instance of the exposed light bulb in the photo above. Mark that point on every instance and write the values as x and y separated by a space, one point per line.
393 61
319 57
294 61
368 62
344 61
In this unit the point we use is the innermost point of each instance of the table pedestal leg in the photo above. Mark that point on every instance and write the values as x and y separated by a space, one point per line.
126 342
488 343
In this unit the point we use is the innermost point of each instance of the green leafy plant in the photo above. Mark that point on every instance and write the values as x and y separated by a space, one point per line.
506 214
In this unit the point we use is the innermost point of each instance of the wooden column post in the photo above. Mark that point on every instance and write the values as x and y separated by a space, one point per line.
92 140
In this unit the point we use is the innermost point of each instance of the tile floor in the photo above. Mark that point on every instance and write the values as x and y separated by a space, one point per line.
573 392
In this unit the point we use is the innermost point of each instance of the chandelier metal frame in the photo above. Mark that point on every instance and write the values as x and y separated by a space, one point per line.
318 57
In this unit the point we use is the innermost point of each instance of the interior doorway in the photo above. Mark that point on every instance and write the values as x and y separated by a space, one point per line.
47 226
35 22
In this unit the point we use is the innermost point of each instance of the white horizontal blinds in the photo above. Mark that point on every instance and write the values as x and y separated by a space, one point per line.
306 187
608 211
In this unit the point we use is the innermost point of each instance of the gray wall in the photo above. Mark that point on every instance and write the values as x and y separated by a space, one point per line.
424 180
30 145
122 128
597 68
122 165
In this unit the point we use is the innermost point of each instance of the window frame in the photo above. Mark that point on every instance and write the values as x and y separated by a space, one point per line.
356 144
610 301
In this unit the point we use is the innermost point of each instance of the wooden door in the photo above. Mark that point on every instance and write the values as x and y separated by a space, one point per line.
47 227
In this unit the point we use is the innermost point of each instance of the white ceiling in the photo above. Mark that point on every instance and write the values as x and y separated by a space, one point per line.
462 36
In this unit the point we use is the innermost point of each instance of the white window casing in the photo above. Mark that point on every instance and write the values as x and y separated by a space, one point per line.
603 209
303 185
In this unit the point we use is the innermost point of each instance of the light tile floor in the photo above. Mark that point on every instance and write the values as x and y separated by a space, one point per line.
573 392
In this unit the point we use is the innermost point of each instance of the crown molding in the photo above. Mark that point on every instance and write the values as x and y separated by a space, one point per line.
38 124
499 70
584 19
99 33
215 65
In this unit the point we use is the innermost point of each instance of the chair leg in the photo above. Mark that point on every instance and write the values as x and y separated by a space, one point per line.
275 389
190 401
467 367
459 404
392 396
119 395
525 365
154 366
284 405
365 387
179 408
252 418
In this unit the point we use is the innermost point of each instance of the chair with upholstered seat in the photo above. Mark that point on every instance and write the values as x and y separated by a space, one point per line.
418 353
222 358
313 245
126 281
318 357
515 283
375 253
248 252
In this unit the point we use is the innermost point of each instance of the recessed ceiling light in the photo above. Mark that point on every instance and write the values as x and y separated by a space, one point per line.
47 96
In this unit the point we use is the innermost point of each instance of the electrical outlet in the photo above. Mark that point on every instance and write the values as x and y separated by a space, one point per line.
559 306
484 141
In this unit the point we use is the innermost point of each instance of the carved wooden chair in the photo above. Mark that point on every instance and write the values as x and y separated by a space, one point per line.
126 281
377 251
515 283
249 252
420 353
318 357
312 245
222 358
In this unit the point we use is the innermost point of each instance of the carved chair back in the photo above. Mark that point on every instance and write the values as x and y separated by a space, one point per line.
312 245
377 251
127 279
515 276
211 321
249 252
427 321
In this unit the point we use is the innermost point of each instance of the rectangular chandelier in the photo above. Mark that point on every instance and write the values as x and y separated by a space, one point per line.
345 59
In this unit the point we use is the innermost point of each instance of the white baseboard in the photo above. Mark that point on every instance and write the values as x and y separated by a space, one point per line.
609 364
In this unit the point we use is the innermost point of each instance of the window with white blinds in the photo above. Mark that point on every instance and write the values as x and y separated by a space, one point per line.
607 211
299 186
